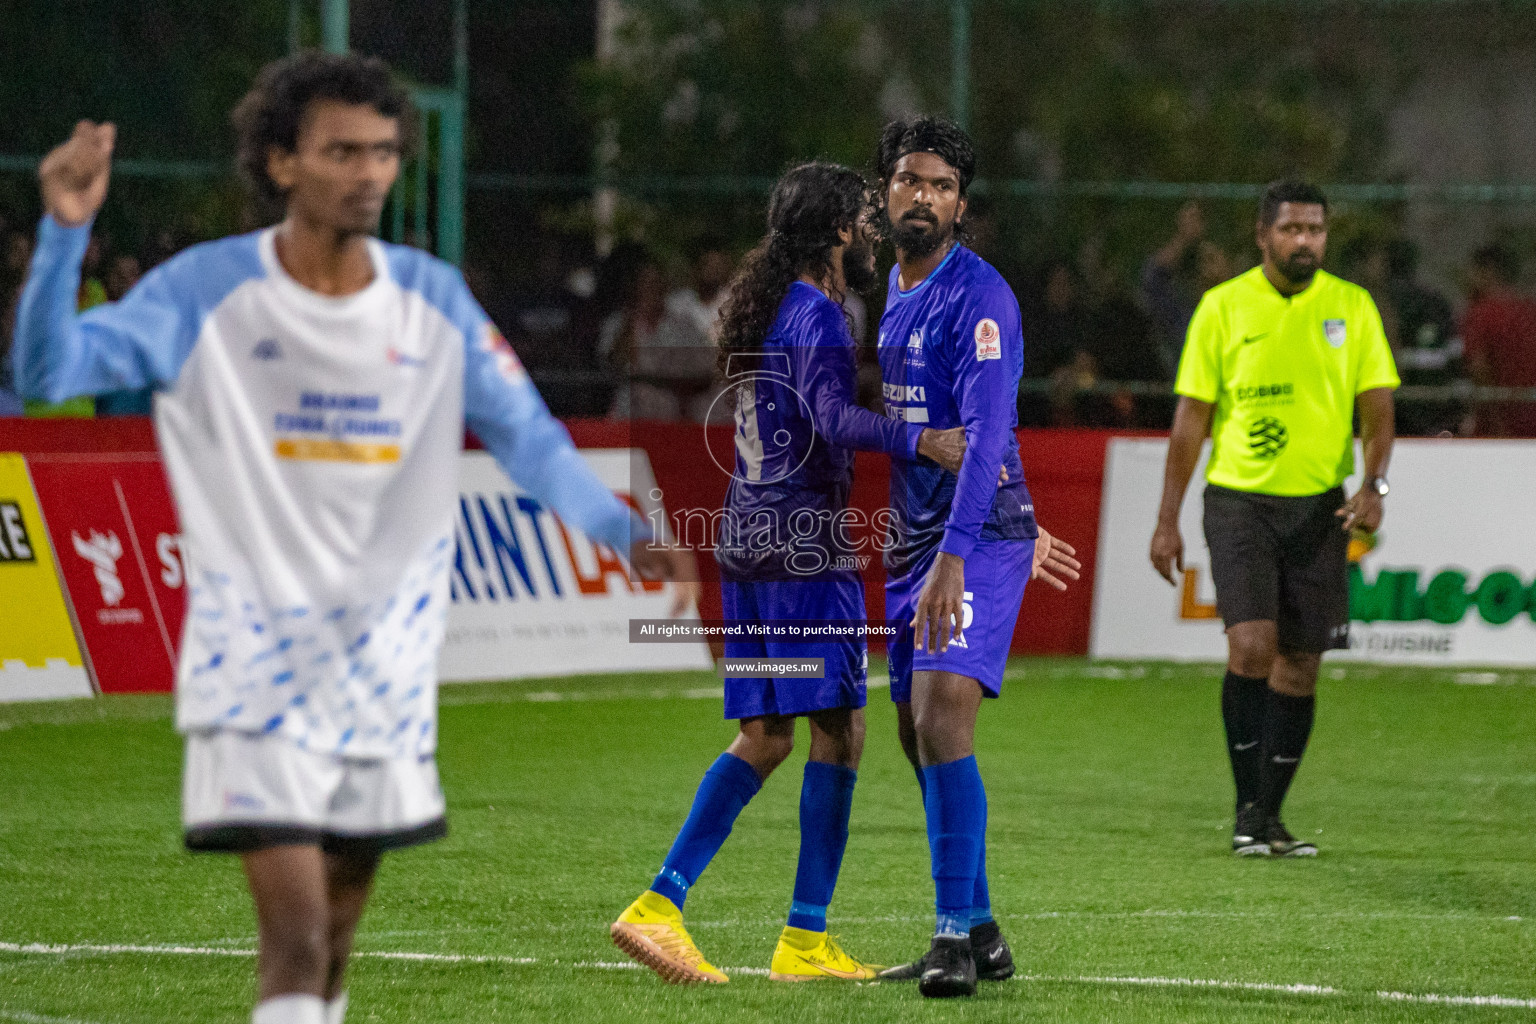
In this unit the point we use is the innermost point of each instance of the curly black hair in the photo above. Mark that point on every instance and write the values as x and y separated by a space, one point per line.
810 204
272 113
923 134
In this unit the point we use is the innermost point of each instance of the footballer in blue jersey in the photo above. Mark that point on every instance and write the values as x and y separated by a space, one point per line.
785 553
963 544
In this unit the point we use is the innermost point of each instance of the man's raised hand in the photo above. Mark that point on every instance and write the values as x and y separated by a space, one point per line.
74 175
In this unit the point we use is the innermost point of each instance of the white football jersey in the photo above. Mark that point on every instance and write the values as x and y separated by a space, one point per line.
312 446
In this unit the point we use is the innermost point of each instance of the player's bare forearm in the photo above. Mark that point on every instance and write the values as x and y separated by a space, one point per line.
1378 430
1364 509
1191 424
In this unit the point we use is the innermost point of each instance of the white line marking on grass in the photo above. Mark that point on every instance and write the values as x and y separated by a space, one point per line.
1430 997
109 949
1247 986
1296 989
38 1018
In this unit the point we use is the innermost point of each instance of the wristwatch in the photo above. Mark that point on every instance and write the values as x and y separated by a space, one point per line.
1379 485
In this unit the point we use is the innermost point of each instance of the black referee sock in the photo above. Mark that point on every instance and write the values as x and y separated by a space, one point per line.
1287 725
1242 710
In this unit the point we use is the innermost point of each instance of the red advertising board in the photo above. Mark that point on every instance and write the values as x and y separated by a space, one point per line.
114 531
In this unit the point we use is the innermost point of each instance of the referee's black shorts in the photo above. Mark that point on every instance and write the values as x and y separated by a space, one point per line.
1283 559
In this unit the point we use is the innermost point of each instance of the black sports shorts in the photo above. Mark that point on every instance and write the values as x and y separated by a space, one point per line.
1283 559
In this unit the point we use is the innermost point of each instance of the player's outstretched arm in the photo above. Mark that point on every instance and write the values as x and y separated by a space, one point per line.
1191 425
119 346
509 416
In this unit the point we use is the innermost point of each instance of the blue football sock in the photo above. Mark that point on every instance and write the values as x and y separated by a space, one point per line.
956 806
826 800
727 786
981 900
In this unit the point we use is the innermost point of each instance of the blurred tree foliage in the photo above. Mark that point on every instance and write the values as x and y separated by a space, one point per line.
166 72
1060 92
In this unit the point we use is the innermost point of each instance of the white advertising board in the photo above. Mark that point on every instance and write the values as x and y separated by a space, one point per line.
533 596
1449 580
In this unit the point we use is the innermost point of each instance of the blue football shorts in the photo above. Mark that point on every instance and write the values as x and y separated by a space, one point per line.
846 660
995 576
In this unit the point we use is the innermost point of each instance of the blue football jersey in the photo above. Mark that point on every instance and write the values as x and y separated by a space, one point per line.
951 354
796 422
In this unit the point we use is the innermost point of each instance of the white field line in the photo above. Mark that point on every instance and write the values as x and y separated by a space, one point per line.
1247 986
1052 915
1298 988
23 1017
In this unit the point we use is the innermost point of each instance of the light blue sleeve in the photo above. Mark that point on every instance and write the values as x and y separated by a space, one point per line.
141 341
506 412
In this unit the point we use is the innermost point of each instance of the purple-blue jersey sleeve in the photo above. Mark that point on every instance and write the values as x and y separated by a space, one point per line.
825 366
987 358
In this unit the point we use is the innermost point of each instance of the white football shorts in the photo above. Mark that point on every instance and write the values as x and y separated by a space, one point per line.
245 791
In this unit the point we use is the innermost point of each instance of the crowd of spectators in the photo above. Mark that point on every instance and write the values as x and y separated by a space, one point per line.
627 336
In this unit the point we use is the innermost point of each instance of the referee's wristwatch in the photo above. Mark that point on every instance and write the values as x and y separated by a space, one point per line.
1379 485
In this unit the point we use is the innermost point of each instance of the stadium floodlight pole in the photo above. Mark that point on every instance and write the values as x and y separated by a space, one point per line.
335 25
960 62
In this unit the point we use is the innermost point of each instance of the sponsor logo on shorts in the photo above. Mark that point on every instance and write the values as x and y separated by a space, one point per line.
242 802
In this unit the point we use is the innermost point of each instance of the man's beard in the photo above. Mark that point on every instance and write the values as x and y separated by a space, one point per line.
917 237
859 272
1299 267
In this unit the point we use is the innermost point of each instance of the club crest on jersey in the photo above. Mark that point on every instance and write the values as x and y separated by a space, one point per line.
507 363
1334 331
916 340
989 340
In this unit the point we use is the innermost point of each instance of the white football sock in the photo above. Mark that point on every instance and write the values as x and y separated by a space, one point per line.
336 1009
290 1009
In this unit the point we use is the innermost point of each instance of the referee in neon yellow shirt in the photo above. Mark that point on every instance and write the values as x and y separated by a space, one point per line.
1277 361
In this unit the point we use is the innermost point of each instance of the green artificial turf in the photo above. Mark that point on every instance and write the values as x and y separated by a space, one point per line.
1108 854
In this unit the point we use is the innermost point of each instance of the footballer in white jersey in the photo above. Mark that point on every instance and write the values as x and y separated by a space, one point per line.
312 389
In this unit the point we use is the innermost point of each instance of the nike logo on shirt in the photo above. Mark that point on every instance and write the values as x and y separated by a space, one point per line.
1255 337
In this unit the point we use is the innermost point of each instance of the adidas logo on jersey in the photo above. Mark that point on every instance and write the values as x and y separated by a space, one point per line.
267 349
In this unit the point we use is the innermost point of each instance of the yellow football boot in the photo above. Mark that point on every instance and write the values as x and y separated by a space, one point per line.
651 931
809 956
